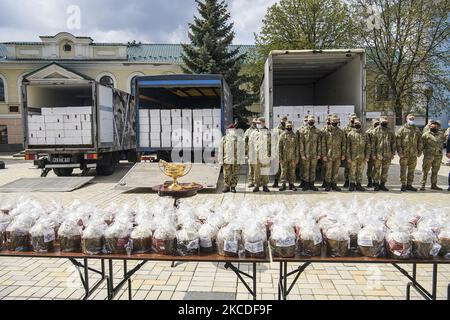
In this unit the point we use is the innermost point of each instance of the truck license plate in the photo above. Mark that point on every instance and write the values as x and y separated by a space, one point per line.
61 160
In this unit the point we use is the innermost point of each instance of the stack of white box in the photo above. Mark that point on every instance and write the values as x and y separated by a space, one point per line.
180 128
61 126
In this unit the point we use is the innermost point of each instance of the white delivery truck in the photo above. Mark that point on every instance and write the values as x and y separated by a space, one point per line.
76 122
314 82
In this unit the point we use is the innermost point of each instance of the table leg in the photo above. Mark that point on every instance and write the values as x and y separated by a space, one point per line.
111 280
280 280
434 282
254 281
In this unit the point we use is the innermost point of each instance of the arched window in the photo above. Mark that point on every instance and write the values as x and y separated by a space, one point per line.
67 47
107 81
2 90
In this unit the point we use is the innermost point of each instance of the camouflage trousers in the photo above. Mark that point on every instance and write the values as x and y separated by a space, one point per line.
407 168
433 163
370 167
331 168
278 174
356 171
309 169
231 174
261 174
346 171
288 172
381 170
251 174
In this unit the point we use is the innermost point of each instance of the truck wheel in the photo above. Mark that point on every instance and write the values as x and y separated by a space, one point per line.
63 172
132 157
2 165
107 166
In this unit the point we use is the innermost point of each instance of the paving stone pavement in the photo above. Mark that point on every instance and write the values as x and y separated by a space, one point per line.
28 278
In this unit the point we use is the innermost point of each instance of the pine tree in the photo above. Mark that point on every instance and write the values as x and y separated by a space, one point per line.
211 34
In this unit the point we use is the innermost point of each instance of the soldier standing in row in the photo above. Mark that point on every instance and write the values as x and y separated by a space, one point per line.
299 131
309 144
251 167
261 143
383 151
352 117
432 149
409 148
326 128
358 153
288 156
280 130
231 157
333 152
371 162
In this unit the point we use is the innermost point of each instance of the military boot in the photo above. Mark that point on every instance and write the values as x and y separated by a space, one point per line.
370 184
312 187
403 188
335 187
283 187
352 187
256 189
233 189
422 188
411 188
251 185
275 184
328 187
346 184
435 187
376 186
292 187
305 186
302 184
359 187
324 184
265 189
226 189
383 187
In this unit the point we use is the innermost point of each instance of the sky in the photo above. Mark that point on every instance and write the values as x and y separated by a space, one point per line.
148 21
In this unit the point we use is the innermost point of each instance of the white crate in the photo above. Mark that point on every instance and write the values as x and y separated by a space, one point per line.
166 121
207 120
217 120
207 127
165 113
187 142
166 142
59 111
85 118
176 127
155 113
176 136
72 126
342 109
72 133
198 129
207 136
186 113
175 113
155 136
207 113
86 133
36 119
186 120
155 143
208 144
47 111
198 122
197 141
155 121
40 134
41 141
197 113
78 110
77 140
32 134
155 128
166 128
144 121
86 125
176 120
144 136
143 114
50 141
144 128
86 140
32 141
216 126
217 113
187 127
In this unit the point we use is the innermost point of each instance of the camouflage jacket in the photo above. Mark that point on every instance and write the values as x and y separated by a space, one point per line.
288 147
433 143
409 141
333 143
358 145
347 128
247 134
260 144
383 143
309 142
231 150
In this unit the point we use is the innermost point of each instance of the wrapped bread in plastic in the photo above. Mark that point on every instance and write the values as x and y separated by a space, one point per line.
18 233
283 241
337 241
229 241
69 236
43 236
309 240
164 240
141 238
444 242
422 243
5 220
208 238
398 244
371 242
188 241
117 237
255 240
92 239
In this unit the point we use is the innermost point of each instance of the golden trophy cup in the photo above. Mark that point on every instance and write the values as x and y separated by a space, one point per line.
175 171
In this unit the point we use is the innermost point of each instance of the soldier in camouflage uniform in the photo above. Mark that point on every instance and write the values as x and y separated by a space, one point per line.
324 167
427 127
432 150
261 143
358 153
371 163
383 151
409 148
333 152
231 156
352 117
288 156
299 131
251 167
309 147
281 128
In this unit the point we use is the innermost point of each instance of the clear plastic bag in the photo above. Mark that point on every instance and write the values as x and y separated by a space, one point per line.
399 245
444 242
117 237
283 241
309 240
208 237
188 243
43 236
141 239
5 220
18 232
164 240
92 240
423 243
337 241
255 240
69 236
229 241
371 242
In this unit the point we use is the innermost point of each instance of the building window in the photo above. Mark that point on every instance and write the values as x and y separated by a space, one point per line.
107 81
13 109
3 134
67 48
2 90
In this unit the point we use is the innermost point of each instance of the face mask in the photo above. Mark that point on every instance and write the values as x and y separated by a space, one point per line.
305 122
283 124
434 130
259 126
376 125
334 124
289 129
411 122
232 132
384 125
358 126
311 124
328 123
352 121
